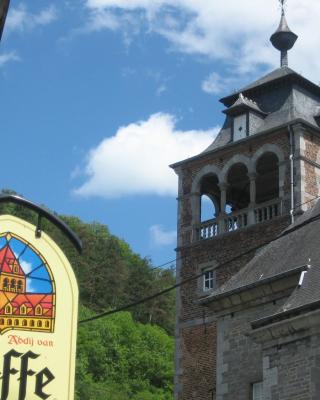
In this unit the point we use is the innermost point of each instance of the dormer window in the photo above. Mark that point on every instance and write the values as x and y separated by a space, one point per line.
245 113
240 127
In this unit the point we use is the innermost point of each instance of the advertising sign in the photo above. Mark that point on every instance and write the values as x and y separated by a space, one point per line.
38 315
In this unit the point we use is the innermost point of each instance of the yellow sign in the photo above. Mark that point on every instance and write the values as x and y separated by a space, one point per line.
38 315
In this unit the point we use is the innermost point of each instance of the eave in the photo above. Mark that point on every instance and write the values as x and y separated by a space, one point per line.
248 140
265 287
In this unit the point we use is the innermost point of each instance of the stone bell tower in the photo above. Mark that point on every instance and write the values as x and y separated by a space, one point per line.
259 173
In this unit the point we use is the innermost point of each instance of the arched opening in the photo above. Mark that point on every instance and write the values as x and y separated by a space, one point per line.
38 310
8 309
267 180
5 283
24 322
238 192
210 197
13 284
20 286
23 310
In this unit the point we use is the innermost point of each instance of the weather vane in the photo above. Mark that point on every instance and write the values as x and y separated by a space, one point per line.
283 4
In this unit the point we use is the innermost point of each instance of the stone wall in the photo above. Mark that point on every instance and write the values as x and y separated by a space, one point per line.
295 369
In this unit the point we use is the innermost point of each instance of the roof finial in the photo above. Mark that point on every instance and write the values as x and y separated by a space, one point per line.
283 39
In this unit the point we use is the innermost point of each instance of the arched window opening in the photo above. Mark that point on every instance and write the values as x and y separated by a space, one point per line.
39 324
20 286
23 310
5 283
9 322
13 284
8 309
210 197
16 322
267 180
47 324
208 208
24 322
32 323
238 191
38 310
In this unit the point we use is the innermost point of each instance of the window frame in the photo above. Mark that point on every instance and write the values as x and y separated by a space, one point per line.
211 280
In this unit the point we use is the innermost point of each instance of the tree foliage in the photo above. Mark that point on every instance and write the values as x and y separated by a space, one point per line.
120 359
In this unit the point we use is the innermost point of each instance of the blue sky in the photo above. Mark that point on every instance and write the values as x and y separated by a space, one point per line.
99 96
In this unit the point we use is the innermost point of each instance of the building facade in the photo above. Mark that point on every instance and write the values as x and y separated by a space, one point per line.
259 175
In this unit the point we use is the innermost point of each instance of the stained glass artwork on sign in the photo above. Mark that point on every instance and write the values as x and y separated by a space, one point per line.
27 288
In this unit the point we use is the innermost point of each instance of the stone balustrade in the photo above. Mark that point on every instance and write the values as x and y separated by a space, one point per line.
226 223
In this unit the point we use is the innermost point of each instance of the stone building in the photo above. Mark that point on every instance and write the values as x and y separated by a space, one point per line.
248 309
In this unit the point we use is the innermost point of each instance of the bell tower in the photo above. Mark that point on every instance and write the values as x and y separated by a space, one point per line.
262 170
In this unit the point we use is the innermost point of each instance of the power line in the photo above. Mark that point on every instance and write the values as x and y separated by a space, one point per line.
194 277
307 202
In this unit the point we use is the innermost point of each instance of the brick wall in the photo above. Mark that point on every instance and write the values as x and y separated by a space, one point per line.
197 343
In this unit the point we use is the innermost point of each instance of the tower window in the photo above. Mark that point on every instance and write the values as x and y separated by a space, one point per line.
38 310
5 283
209 280
8 309
240 127
20 286
13 284
23 310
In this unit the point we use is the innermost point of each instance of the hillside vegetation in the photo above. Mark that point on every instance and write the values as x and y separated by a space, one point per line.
128 355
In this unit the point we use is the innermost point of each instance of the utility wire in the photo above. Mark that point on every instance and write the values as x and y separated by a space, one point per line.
179 258
194 277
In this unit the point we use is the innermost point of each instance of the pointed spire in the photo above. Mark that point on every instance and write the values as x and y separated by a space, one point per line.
283 39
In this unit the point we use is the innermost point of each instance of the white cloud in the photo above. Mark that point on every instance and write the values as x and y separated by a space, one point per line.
135 160
216 84
7 57
20 19
232 32
26 266
162 237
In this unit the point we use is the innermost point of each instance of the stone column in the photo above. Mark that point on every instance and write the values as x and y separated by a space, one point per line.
223 196
195 201
253 194
223 202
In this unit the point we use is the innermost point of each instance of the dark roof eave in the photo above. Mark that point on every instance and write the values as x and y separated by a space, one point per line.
260 323
230 144
254 285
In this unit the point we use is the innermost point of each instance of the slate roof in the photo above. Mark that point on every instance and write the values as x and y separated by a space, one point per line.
296 247
243 103
271 78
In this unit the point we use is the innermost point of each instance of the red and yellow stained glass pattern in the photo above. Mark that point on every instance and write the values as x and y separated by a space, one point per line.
27 288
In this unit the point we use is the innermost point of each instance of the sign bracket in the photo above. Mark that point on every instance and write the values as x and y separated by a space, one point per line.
42 212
